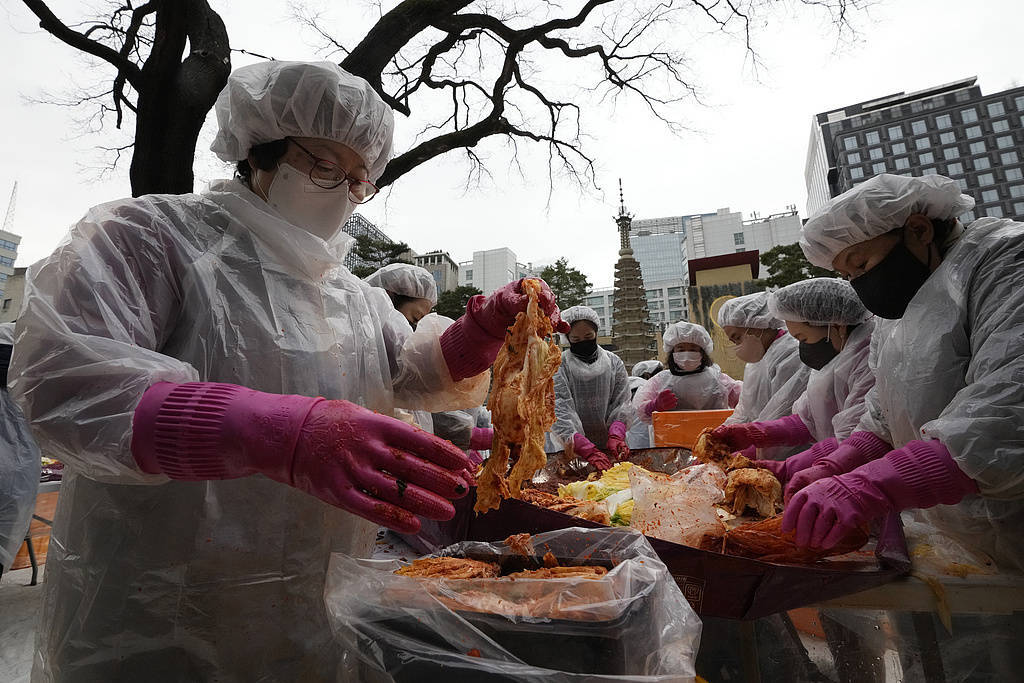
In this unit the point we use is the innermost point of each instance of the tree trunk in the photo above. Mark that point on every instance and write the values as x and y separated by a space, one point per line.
176 95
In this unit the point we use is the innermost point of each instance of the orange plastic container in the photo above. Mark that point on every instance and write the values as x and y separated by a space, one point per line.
682 427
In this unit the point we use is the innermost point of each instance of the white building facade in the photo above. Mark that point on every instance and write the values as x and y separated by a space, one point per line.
8 255
492 269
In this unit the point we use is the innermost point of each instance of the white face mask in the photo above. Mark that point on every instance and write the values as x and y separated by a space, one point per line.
750 350
309 206
687 360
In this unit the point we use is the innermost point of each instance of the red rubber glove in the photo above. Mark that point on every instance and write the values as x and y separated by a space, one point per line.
583 448
859 448
481 438
665 400
786 431
617 440
369 464
919 475
471 343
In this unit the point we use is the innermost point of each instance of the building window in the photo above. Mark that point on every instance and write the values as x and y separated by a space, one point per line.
962 183
899 148
1009 158
974 132
6 305
994 211
1014 174
955 169
986 179
981 163
1004 141
737 238
850 142
947 138
929 171
853 157
944 121
675 303
966 217
969 116
856 172
652 294
996 109
922 143
990 196
1000 126
469 274
878 168
872 137
919 127
1019 101
1017 191
895 133
675 291
978 147
875 153
950 153
926 158
5 261
1018 208
902 163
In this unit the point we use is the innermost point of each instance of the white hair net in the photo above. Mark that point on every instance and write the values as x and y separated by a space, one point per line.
820 301
684 332
273 100
875 207
643 366
405 279
575 313
750 310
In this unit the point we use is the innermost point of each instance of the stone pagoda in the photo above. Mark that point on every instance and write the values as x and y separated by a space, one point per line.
631 333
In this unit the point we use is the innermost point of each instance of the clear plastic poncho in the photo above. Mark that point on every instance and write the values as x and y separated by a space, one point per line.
833 403
19 469
705 390
209 579
952 369
589 397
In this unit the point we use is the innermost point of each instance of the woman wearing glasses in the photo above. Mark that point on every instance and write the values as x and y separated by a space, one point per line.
219 386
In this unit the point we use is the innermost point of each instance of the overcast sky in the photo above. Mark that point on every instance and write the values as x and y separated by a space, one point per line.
746 149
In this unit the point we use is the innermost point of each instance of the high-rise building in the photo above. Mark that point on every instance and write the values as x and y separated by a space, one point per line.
13 296
8 255
951 130
358 226
444 269
492 269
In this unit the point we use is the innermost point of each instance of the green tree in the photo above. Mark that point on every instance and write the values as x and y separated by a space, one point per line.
377 253
787 264
568 284
453 302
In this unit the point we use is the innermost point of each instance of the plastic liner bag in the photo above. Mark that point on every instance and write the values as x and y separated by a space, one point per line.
632 624
678 508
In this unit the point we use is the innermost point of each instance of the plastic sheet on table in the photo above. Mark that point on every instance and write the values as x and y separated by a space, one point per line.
633 624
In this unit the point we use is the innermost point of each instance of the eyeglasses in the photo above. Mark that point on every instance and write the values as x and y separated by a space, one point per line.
329 175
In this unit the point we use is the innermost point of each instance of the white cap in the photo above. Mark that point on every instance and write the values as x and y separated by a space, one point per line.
875 207
405 279
575 313
750 310
684 332
643 366
274 100
819 301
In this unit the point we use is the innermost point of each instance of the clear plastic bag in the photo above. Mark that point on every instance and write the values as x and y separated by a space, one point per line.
678 508
633 624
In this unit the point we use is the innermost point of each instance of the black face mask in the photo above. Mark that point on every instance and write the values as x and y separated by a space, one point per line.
585 350
886 289
818 354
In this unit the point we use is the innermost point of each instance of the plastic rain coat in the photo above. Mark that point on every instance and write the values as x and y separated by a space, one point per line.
952 369
773 384
704 390
589 397
159 580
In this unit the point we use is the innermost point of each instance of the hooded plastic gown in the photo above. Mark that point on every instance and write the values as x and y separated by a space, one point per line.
589 397
19 464
153 579
952 369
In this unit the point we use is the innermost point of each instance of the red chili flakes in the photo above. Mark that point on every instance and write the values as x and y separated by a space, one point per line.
474 652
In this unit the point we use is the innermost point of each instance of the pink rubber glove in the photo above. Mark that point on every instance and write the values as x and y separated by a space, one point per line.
919 475
583 448
785 469
858 449
617 440
368 464
471 343
480 438
666 400
786 431
475 458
